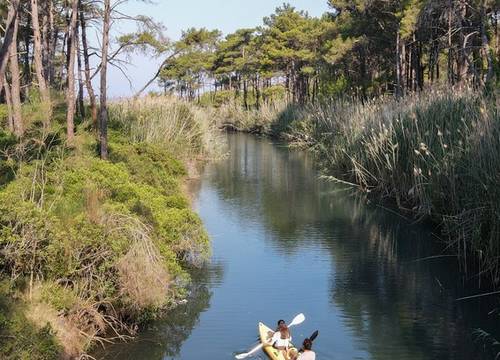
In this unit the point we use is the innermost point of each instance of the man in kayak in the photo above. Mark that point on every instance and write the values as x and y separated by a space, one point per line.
282 338
306 352
280 322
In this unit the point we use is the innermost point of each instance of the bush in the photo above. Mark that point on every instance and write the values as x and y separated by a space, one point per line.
19 338
101 243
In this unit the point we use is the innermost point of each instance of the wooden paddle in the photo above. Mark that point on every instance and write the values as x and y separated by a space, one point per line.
299 319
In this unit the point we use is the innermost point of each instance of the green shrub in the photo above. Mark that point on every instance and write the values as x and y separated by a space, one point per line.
61 298
19 339
97 242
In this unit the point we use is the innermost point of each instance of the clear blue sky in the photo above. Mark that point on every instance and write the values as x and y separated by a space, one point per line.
177 15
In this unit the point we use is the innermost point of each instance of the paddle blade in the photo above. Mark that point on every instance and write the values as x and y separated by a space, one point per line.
245 355
299 319
314 335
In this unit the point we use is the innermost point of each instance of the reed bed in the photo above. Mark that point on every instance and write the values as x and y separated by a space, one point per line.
436 154
165 120
260 120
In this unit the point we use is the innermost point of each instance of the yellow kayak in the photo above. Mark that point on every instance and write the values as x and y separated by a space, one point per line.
265 334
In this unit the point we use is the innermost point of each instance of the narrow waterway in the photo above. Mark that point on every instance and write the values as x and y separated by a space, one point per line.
286 242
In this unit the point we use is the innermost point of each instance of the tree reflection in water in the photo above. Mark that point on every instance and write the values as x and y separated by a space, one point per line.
394 302
370 293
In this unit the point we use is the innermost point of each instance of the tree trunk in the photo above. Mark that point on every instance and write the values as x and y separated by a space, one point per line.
462 59
64 50
398 65
15 92
8 101
497 40
486 47
404 67
88 82
257 92
81 106
37 59
53 35
70 92
245 94
46 43
451 75
104 69
10 32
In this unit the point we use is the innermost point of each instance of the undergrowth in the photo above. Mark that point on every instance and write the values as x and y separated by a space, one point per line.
91 248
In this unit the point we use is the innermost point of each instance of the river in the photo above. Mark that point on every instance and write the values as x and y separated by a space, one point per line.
286 242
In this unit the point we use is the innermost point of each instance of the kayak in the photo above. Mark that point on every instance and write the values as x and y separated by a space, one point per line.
265 334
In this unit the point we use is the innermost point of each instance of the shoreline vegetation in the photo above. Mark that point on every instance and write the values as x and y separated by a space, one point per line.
96 233
92 248
399 98
434 155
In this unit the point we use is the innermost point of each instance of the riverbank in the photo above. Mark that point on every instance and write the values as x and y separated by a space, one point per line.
433 154
90 248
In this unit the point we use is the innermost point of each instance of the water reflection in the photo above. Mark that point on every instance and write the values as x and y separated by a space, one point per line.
396 305
291 243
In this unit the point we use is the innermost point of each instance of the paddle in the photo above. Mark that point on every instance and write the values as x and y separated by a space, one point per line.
299 319
312 338
314 335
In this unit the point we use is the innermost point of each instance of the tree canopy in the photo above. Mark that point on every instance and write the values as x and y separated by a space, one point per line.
360 48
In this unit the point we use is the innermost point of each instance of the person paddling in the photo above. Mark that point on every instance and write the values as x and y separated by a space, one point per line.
306 352
280 323
282 338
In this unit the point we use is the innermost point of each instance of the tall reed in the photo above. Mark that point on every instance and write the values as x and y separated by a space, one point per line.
182 126
435 154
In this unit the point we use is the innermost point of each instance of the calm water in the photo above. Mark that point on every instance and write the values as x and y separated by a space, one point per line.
285 242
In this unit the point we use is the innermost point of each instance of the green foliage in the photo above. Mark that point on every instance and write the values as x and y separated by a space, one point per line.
360 48
59 297
4 112
89 227
410 16
193 60
19 338
273 93
334 89
217 99
7 165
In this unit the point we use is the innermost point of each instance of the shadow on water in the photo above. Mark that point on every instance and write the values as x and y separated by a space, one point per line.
398 301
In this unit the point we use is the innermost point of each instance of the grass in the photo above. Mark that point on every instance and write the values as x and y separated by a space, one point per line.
19 338
232 116
435 154
91 248
167 120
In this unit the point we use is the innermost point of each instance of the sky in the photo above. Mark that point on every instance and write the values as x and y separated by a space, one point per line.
178 15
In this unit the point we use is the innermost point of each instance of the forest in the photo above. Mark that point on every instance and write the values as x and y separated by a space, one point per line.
398 98
361 49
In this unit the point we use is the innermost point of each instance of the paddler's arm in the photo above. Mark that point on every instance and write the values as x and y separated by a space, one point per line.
269 341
